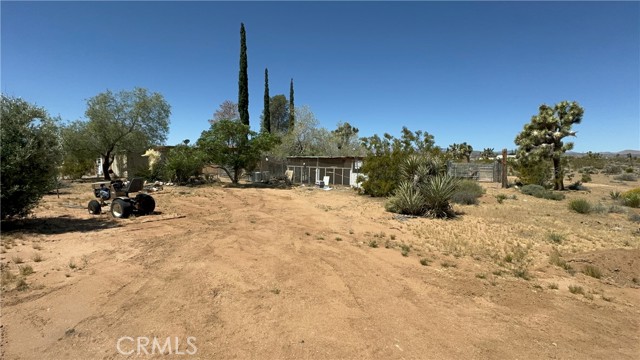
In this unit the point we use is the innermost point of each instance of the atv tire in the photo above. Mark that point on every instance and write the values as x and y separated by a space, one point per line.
94 207
120 209
145 204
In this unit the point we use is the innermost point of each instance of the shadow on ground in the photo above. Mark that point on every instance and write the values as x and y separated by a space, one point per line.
56 225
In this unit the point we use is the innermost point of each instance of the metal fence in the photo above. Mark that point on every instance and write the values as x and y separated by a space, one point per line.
479 172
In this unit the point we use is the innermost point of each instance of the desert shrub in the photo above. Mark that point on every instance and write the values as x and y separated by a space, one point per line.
467 192
629 170
632 201
626 177
633 217
30 156
555 258
580 206
631 198
532 189
555 237
616 209
612 169
585 178
592 271
540 192
615 195
575 289
587 170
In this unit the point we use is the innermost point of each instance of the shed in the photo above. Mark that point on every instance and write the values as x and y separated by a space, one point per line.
341 170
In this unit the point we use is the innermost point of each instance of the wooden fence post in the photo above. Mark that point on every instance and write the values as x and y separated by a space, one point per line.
505 183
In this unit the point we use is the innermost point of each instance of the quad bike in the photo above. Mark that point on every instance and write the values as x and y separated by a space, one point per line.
121 204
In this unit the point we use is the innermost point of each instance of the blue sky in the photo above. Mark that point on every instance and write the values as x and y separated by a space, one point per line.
462 71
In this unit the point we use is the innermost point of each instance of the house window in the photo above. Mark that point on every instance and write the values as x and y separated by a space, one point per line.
357 165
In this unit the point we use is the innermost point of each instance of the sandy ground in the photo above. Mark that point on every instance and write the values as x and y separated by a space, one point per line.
264 273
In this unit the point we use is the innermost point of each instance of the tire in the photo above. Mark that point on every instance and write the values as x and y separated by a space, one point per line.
145 204
120 209
94 207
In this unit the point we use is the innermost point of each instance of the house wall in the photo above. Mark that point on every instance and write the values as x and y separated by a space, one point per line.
309 170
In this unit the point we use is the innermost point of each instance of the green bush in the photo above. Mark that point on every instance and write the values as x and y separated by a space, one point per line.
585 178
184 162
534 172
532 189
580 206
30 156
467 192
632 200
540 192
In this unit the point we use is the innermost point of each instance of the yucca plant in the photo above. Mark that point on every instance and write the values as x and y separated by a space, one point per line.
438 191
407 200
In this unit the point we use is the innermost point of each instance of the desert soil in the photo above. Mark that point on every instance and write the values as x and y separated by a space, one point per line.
268 273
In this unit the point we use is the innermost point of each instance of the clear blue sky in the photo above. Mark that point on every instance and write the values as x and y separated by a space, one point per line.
462 71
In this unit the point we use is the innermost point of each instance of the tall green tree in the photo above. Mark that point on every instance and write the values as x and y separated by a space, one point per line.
243 80
541 139
127 121
233 147
292 116
266 114
30 155
279 114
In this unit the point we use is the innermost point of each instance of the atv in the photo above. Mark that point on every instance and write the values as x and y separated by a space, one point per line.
121 204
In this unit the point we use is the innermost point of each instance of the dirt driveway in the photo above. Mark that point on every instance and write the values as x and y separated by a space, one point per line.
266 273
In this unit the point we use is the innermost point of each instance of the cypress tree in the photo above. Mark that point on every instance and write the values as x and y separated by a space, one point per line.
292 117
266 116
243 80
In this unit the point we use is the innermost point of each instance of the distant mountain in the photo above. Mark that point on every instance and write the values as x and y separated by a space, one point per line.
608 153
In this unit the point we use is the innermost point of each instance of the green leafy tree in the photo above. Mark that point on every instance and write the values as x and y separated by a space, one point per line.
542 138
233 147
127 121
384 156
184 162
30 155
266 114
78 159
292 112
243 80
